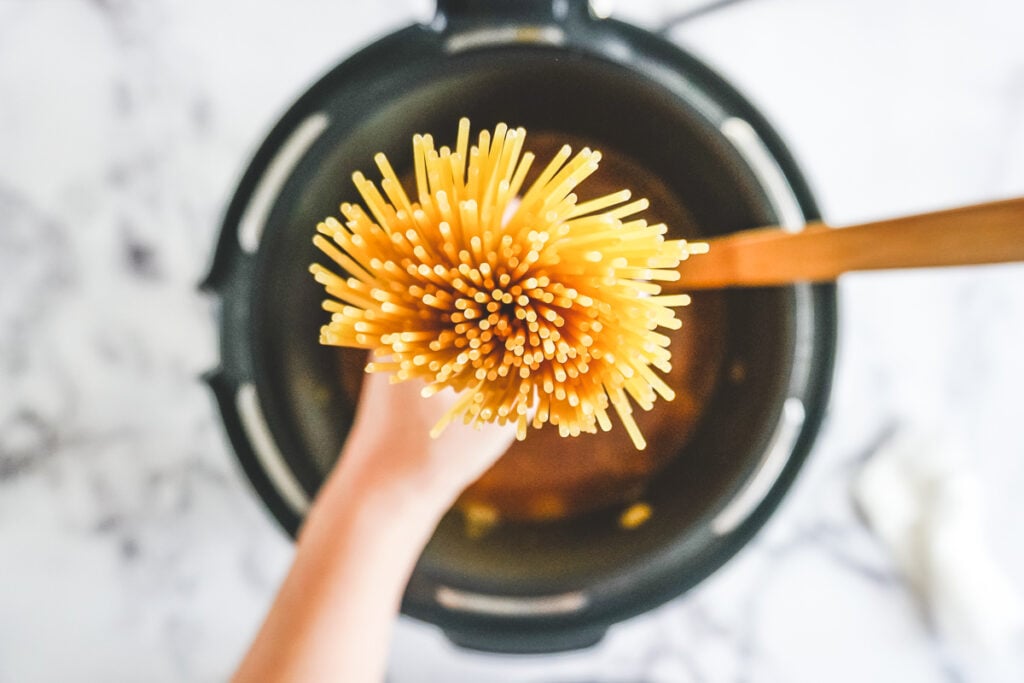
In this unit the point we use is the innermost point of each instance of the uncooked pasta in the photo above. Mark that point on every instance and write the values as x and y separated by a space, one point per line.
534 306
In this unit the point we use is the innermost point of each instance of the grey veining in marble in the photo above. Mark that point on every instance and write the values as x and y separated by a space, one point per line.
131 547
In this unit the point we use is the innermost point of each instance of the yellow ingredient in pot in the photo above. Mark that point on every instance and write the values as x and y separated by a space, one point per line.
635 515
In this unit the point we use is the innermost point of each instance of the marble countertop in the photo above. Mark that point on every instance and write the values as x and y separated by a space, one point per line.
132 548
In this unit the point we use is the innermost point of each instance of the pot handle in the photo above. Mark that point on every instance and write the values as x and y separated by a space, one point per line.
520 11
526 642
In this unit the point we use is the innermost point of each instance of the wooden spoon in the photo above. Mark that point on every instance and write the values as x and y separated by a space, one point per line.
984 233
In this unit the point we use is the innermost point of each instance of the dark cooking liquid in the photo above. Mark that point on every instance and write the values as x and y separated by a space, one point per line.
547 476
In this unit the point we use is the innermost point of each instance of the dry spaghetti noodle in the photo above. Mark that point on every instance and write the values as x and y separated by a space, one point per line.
516 298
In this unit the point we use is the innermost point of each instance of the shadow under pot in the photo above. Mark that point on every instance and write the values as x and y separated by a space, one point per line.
564 537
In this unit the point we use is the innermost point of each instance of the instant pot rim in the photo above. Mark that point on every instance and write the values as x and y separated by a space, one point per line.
227 270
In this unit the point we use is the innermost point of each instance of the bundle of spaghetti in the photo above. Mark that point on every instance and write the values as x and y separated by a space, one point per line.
536 307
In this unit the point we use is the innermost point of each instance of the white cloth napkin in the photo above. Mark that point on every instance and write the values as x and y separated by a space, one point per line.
921 499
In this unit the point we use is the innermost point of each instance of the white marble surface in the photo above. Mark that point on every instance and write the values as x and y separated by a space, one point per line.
131 548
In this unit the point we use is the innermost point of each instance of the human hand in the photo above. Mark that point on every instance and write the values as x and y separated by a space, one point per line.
390 448
357 548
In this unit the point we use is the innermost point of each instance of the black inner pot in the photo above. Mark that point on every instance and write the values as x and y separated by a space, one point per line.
532 586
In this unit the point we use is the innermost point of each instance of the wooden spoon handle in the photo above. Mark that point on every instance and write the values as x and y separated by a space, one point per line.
984 233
